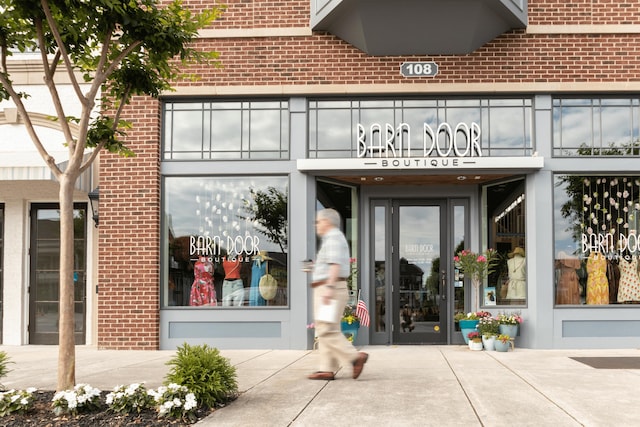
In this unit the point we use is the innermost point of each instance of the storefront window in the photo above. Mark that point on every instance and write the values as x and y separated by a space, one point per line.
226 241
507 284
596 127
596 227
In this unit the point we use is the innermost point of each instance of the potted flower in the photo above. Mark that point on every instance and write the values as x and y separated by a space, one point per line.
475 340
350 323
469 321
503 342
476 266
509 323
489 329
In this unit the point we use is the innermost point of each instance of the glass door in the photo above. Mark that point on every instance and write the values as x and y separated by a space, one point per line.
44 294
419 304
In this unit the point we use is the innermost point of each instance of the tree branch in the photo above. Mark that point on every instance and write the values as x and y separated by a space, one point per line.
48 80
63 51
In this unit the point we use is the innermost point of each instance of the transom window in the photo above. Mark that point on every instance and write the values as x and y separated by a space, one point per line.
226 130
596 127
505 124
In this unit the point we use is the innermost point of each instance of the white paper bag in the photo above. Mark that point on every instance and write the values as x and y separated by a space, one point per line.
328 312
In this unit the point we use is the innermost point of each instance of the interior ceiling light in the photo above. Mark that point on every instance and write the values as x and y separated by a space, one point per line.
477 177
462 178
363 178
378 178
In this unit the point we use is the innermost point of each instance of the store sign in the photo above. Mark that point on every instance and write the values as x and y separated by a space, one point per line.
606 244
211 246
388 146
388 140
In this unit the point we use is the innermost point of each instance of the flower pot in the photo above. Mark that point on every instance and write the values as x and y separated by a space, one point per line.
502 346
350 330
489 342
511 330
475 345
467 326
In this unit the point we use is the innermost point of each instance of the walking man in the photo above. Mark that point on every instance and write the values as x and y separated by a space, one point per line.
329 283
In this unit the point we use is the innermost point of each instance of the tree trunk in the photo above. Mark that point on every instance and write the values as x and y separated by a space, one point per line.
66 345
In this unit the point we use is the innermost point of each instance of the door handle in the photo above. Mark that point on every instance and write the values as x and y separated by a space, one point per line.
443 285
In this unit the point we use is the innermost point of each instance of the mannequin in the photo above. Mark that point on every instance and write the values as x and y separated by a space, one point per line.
258 269
202 290
232 286
517 275
629 288
568 288
597 284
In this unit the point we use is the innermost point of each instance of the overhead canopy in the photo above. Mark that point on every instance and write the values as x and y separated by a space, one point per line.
418 27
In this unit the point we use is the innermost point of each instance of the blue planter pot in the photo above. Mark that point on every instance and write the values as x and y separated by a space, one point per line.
511 330
350 330
467 326
502 346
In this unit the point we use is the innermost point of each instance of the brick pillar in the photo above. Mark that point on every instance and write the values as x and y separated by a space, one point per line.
129 236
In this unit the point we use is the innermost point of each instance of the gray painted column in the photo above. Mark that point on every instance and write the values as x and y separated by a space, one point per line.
538 319
301 230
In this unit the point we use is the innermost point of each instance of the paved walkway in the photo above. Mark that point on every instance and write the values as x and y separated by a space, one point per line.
400 386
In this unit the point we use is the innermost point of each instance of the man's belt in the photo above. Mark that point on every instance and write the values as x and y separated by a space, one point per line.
324 282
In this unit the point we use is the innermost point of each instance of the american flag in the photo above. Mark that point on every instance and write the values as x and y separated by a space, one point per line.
362 312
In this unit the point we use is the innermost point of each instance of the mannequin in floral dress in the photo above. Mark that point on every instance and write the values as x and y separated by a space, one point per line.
202 290
568 289
597 284
629 287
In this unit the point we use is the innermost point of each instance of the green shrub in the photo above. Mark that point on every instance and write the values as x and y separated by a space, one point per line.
205 373
4 369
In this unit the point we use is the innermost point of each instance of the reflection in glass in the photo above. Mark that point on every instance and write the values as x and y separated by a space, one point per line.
226 130
596 223
459 219
505 123
596 127
419 252
506 230
223 236
380 245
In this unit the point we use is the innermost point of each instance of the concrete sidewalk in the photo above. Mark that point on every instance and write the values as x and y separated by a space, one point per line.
400 386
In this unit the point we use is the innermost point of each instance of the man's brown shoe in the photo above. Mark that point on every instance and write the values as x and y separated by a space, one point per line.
326 376
359 364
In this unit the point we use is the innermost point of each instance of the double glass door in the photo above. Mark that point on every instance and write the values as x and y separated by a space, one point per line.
412 263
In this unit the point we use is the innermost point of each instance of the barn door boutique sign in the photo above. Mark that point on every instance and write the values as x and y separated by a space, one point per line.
389 146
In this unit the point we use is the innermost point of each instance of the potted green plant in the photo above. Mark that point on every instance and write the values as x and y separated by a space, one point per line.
509 323
503 342
476 266
469 321
475 340
350 323
489 329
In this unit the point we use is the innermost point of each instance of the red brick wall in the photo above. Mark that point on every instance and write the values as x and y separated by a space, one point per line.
129 237
128 307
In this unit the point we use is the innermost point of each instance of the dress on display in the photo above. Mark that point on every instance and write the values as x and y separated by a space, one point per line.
597 284
258 269
568 289
202 290
629 287
517 278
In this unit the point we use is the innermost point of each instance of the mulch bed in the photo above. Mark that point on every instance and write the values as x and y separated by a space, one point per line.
42 415
610 362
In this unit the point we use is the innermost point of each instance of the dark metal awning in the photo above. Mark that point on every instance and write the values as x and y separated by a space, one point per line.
418 27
